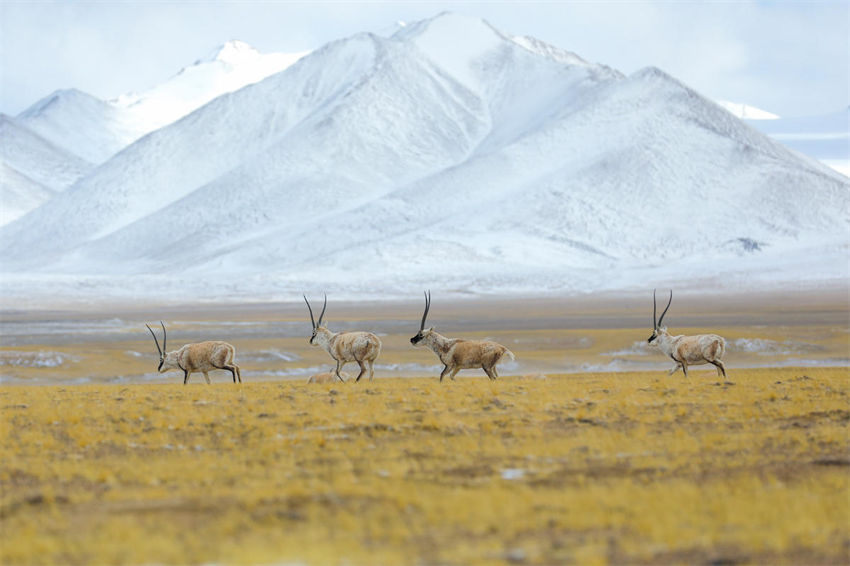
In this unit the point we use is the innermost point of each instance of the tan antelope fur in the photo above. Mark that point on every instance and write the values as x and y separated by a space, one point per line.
202 356
457 354
327 377
345 347
687 350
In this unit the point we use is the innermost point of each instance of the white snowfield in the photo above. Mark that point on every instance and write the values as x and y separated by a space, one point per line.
450 156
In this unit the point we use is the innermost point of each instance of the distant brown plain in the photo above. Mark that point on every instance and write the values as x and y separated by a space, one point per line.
597 332
107 462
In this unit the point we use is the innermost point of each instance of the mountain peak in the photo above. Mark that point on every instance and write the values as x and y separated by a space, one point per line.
392 29
542 48
447 25
454 42
57 97
231 52
458 43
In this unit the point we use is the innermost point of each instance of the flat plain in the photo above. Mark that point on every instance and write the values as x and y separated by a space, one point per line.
104 463
597 332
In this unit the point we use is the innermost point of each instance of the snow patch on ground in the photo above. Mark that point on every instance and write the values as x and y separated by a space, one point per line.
765 347
40 359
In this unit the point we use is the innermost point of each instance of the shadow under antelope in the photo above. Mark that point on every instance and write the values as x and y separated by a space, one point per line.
327 377
201 356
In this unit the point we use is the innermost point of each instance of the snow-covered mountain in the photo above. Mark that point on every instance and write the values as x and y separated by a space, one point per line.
228 68
79 123
85 131
451 155
32 169
96 129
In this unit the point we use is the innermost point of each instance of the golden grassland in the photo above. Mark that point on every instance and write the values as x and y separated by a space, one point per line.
586 469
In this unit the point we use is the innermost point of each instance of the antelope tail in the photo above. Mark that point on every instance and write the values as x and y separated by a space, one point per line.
509 355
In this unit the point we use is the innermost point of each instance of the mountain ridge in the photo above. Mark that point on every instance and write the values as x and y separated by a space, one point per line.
372 161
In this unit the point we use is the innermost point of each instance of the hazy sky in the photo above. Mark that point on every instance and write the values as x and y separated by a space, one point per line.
791 58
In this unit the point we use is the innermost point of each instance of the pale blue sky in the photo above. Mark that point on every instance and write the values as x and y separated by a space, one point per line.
791 58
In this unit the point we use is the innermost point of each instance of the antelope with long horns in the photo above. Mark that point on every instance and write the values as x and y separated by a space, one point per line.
345 347
202 356
687 350
457 354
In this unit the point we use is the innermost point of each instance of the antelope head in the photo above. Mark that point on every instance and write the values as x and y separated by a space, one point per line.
657 329
423 333
316 325
167 360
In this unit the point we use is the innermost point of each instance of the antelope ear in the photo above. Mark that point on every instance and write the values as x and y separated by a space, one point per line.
431 329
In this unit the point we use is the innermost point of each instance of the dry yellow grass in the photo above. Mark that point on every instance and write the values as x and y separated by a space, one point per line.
586 469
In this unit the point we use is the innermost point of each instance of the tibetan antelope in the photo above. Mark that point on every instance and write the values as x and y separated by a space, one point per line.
687 350
457 354
203 357
344 347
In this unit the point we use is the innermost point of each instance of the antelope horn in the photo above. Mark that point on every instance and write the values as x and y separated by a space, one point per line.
654 317
155 341
321 316
427 308
312 320
660 320
164 338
